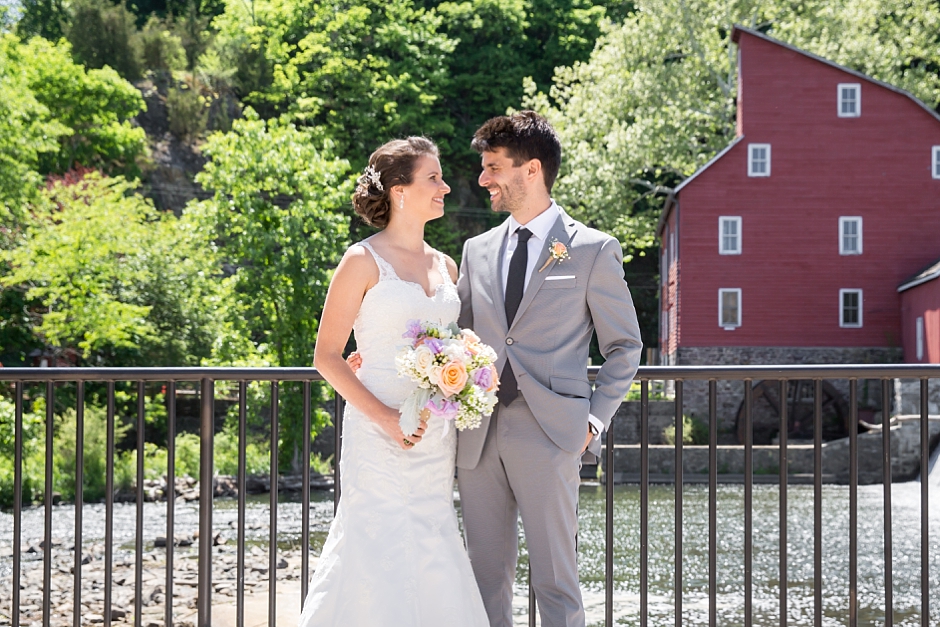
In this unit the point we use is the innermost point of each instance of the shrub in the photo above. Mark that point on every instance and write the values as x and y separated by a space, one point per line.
95 454
33 426
103 33
694 431
188 112
160 49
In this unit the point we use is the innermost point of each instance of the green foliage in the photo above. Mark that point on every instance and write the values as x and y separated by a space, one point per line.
694 431
118 280
364 71
656 100
95 105
33 439
277 214
26 133
105 34
42 18
188 112
95 453
161 50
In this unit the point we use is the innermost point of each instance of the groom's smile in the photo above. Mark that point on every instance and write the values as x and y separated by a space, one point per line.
502 179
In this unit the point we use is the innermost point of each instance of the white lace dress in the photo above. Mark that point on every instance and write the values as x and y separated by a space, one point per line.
394 555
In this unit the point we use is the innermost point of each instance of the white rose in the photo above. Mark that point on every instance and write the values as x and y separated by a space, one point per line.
434 374
423 358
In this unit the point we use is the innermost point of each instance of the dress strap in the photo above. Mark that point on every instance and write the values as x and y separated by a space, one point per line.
386 271
442 268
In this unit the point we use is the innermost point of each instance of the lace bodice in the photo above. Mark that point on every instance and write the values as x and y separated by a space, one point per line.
384 314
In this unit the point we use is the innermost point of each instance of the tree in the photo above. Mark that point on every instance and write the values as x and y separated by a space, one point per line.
116 279
104 34
43 18
277 218
96 105
365 71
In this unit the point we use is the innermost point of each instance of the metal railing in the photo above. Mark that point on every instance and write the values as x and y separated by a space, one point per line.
206 377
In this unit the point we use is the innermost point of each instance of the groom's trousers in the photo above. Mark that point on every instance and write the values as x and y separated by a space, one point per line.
522 472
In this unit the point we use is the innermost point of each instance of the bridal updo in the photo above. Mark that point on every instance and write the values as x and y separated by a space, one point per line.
392 164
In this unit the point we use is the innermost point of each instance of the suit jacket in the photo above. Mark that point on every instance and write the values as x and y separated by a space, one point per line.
549 339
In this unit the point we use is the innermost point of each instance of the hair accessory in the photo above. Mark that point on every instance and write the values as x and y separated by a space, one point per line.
373 176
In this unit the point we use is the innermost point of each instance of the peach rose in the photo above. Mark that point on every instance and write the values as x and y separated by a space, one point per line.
559 250
453 378
470 337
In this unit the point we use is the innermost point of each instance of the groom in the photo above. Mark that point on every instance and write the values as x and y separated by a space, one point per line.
535 288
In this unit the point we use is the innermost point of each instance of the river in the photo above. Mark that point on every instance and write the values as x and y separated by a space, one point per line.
906 527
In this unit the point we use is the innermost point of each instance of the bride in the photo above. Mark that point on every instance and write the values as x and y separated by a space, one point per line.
394 555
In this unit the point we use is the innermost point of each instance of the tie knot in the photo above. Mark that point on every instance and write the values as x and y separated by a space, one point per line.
524 234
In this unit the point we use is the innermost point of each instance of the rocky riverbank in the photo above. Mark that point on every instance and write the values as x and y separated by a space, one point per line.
153 582
187 488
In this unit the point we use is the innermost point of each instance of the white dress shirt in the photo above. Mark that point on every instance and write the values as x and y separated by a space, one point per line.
540 226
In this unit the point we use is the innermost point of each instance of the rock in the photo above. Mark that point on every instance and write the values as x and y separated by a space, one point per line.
94 619
282 563
117 613
159 542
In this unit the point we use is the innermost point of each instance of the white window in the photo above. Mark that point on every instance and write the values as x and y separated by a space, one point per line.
935 162
850 100
758 159
919 332
850 235
672 248
729 308
729 235
850 308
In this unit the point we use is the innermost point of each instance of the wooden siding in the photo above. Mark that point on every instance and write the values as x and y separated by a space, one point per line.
876 166
922 301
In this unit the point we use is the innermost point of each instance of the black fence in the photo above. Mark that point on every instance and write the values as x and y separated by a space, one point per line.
206 377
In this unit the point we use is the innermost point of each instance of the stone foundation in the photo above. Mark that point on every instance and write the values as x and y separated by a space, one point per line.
731 393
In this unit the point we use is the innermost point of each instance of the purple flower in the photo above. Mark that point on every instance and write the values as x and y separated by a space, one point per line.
414 330
483 377
434 344
447 409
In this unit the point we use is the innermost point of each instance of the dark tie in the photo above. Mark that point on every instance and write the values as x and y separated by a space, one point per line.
515 284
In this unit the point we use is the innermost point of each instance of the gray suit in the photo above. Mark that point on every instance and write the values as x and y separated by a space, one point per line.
525 458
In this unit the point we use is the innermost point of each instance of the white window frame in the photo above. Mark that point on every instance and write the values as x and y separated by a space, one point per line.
750 160
842 221
842 322
858 100
736 220
935 162
672 248
919 337
721 318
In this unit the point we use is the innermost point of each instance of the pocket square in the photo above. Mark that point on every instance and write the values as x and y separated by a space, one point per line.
559 277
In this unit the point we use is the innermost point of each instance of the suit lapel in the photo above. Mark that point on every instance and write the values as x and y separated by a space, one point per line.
494 270
563 230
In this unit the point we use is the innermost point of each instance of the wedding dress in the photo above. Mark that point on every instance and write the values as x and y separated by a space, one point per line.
394 555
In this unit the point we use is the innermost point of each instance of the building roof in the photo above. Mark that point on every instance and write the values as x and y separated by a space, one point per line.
929 273
735 36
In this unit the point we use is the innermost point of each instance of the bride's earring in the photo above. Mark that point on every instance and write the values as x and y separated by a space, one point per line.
401 202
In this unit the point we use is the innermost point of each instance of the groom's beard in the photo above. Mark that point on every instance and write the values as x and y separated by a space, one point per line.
511 196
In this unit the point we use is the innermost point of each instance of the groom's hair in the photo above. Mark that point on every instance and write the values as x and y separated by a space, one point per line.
525 135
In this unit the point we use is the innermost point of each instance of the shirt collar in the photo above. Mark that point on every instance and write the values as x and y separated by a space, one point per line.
541 225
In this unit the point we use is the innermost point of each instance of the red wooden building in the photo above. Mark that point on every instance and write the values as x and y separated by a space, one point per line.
920 316
791 244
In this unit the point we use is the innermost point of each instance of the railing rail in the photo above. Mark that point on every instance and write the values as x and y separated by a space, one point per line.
206 377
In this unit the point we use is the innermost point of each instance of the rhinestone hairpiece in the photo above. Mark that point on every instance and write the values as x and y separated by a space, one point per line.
374 177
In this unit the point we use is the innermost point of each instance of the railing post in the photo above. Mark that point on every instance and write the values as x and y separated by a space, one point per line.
206 433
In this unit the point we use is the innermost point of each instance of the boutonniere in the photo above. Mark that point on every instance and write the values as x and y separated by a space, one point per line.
557 251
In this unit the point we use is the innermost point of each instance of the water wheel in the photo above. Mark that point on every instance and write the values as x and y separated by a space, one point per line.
800 402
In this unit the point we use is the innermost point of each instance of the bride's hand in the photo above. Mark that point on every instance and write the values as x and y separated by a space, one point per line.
355 361
388 421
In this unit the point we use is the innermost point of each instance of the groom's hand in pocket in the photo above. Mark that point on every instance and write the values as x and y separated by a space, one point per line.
587 441
355 361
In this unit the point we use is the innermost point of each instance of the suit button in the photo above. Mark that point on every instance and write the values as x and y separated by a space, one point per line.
509 341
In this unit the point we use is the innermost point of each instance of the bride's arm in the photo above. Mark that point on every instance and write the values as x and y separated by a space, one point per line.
354 276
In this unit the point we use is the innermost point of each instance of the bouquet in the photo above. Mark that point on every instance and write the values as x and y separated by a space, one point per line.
455 374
